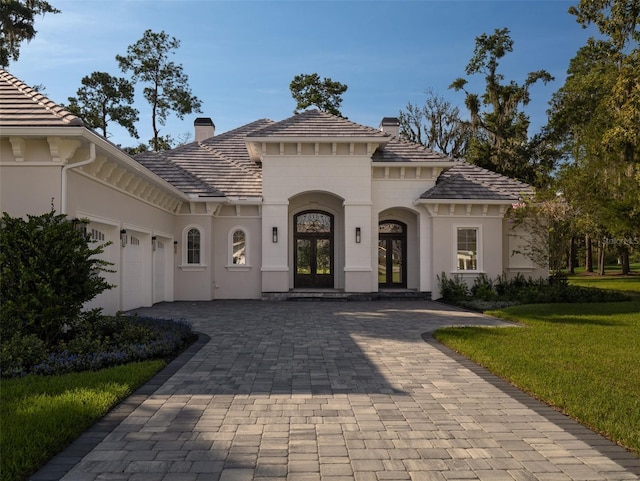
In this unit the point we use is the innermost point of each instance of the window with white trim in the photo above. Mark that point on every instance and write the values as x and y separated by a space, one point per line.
239 247
194 246
467 249
238 250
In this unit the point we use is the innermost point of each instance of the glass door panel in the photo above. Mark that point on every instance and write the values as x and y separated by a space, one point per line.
303 256
382 261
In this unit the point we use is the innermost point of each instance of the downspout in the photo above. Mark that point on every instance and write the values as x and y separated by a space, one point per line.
63 195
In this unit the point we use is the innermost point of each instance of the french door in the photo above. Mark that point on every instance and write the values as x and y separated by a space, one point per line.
392 254
313 257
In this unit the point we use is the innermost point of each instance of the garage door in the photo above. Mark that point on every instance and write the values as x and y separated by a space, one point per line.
159 271
99 234
132 273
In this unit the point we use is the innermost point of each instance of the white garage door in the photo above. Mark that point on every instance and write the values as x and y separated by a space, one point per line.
159 272
132 273
99 234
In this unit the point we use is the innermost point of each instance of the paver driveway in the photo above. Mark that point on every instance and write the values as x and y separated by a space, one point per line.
338 391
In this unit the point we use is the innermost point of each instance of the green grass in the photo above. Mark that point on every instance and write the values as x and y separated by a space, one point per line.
583 359
612 280
41 415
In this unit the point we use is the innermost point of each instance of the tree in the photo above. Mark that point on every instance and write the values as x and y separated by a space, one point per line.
49 270
436 125
16 25
499 139
325 94
594 117
168 90
102 99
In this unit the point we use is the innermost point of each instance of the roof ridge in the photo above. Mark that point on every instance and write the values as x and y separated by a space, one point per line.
41 99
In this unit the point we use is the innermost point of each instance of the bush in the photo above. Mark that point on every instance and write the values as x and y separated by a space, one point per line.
519 290
96 343
453 290
48 271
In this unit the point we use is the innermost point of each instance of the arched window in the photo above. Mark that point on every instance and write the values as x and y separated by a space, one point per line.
239 248
238 252
194 246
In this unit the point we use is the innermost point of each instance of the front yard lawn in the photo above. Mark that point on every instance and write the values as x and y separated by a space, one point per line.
42 414
583 359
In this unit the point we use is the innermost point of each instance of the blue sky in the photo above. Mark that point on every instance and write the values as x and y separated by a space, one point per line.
241 56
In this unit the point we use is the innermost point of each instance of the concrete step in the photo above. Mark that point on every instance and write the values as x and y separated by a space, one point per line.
301 295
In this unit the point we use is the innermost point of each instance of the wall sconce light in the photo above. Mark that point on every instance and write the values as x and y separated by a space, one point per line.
358 235
123 237
274 235
175 247
154 241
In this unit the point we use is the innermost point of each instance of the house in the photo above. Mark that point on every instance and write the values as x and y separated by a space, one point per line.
313 203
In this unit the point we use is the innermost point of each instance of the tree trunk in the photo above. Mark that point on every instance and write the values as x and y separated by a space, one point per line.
571 257
624 256
588 253
601 258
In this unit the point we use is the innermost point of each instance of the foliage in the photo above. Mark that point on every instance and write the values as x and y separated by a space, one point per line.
436 125
102 99
518 290
499 140
167 87
548 224
42 414
96 343
16 24
594 120
49 270
310 90
584 359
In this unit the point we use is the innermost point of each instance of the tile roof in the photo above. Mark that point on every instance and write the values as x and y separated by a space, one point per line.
315 123
220 166
22 106
222 163
398 150
467 181
180 178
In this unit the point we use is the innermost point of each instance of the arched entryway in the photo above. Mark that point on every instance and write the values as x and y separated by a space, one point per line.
313 239
392 254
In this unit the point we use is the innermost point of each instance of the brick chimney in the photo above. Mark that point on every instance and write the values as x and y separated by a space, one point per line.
390 125
204 128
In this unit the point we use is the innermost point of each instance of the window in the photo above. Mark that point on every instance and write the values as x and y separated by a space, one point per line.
193 246
239 247
467 251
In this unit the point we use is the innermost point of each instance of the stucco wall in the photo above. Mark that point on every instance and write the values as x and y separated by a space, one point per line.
490 249
236 281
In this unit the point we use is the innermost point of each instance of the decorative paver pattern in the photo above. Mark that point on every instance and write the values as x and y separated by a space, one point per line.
335 391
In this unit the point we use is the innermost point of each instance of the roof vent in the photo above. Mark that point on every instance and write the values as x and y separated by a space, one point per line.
204 128
390 125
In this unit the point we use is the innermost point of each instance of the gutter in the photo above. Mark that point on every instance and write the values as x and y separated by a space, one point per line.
66 168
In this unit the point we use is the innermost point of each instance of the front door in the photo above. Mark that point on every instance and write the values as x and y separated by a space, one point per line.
313 258
392 254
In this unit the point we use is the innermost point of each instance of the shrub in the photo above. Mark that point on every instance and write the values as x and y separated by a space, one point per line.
48 271
519 290
108 341
453 290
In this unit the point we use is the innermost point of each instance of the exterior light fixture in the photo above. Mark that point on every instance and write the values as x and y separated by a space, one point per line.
175 247
154 242
123 237
358 235
274 235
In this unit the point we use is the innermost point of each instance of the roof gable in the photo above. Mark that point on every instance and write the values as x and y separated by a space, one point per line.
22 106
